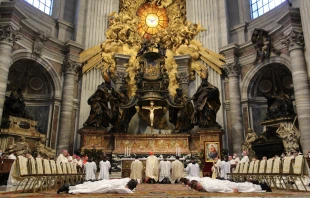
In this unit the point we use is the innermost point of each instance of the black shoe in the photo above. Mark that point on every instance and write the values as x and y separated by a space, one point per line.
64 188
265 187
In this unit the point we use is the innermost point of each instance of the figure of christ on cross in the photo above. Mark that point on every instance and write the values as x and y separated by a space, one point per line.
151 109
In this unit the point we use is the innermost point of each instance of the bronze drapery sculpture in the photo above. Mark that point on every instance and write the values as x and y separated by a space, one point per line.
279 104
206 105
182 117
100 115
15 104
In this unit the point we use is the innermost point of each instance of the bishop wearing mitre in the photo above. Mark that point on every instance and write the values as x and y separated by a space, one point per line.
136 169
151 170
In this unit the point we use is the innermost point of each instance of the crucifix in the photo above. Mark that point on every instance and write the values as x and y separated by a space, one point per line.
151 109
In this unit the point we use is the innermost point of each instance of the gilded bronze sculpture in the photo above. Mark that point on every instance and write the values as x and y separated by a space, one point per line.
21 147
206 105
247 144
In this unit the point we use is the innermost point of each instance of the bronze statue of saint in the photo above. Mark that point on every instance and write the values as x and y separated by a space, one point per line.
181 117
15 104
100 115
279 104
206 105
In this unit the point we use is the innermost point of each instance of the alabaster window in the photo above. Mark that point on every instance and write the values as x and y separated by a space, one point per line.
260 7
43 5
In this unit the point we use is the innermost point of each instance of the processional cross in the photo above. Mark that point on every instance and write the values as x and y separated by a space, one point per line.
151 109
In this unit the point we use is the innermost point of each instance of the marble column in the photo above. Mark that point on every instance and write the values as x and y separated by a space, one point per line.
70 69
7 38
233 72
295 44
305 15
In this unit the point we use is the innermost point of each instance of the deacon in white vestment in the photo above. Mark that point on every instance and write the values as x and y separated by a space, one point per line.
214 185
105 166
177 169
62 158
90 169
216 168
245 157
122 186
151 169
231 160
236 158
165 168
136 169
225 168
192 169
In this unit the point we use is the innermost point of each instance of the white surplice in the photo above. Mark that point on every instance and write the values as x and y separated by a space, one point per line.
245 159
62 159
225 168
215 185
165 168
102 186
192 170
90 169
104 169
151 169
177 169
136 169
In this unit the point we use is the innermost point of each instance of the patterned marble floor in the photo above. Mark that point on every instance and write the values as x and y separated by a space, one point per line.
159 190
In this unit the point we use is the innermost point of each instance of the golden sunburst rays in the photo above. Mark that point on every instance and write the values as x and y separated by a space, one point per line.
152 20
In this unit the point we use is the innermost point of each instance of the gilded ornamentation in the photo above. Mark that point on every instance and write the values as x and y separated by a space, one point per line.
19 148
43 150
247 144
178 38
7 33
290 137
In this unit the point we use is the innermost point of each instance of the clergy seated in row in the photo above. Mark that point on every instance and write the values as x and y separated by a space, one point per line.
136 169
164 171
192 169
105 166
123 186
245 157
208 184
90 169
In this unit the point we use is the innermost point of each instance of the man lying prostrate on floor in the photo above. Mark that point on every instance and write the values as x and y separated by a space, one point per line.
214 185
122 186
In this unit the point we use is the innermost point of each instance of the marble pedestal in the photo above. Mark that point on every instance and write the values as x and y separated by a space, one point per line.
99 138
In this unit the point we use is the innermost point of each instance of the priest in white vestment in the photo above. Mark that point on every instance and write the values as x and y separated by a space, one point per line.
192 169
164 171
122 186
62 158
104 166
136 169
245 157
90 169
177 169
225 167
236 158
151 170
214 185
